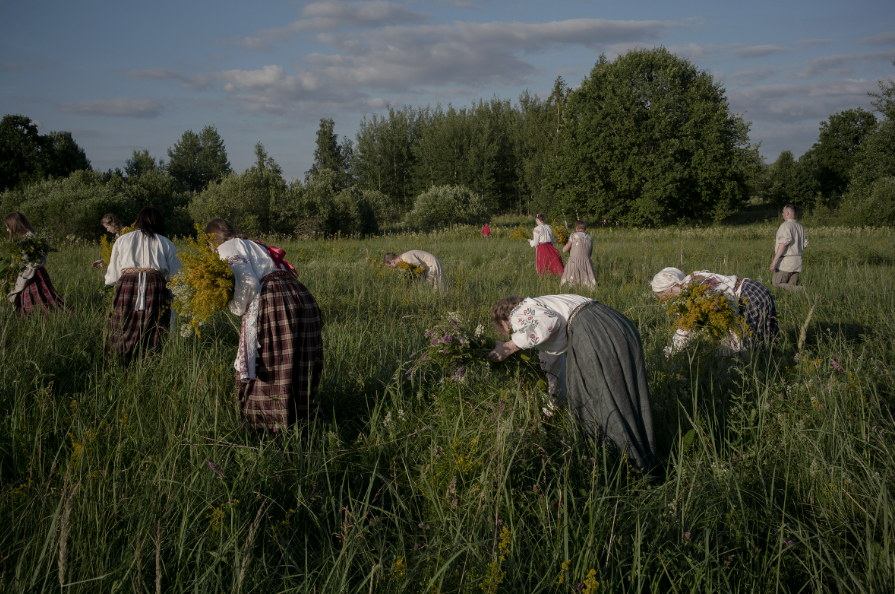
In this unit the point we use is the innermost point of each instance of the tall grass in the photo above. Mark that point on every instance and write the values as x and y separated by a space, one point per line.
142 479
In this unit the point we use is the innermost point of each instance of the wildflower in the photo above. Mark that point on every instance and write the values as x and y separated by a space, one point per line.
215 467
788 543
579 587
687 535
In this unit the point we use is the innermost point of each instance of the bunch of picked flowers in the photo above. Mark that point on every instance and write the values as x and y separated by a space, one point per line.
410 271
204 284
15 255
699 311
452 347
105 246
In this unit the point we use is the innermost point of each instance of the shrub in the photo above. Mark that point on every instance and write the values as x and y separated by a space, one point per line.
877 209
444 205
243 199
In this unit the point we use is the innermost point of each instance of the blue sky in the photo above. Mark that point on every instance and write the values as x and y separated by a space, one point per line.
123 76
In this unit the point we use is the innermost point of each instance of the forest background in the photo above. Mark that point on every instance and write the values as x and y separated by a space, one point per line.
645 140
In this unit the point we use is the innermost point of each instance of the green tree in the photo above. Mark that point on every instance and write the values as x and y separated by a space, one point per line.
650 138
198 159
141 162
441 206
831 158
22 151
64 156
330 155
876 159
790 182
264 162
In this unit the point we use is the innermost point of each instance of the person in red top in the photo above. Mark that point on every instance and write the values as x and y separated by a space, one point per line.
486 231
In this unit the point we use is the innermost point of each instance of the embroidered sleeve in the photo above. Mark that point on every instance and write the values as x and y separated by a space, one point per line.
533 323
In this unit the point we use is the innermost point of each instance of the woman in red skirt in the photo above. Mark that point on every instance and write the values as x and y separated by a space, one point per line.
280 357
141 265
547 258
33 289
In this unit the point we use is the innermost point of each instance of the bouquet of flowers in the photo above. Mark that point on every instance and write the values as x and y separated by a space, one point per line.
452 347
699 309
204 284
520 232
410 271
560 233
105 246
16 254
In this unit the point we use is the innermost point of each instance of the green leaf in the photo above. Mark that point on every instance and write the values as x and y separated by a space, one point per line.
525 357
689 437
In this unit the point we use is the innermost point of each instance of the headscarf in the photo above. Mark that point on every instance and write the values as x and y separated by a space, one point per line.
666 279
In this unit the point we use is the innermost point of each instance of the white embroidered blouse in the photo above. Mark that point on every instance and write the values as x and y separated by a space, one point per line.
541 234
250 263
136 250
542 322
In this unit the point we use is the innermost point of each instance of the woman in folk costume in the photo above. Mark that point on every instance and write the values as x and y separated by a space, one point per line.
579 269
280 358
140 267
750 298
547 258
112 225
593 357
33 289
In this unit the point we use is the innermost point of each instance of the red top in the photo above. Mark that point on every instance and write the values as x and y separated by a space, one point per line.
486 230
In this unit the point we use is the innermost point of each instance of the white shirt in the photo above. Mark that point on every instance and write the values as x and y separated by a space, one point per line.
136 250
434 271
543 323
792 235
250 263
541 234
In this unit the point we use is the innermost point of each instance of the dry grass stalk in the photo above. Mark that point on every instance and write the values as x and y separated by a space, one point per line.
63 537
803 333
158 558
247 547
139 580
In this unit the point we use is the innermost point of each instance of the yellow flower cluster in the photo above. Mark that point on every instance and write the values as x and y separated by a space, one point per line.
105 246
204 284
495 568
217 515
698 308
520 232
560 232
409 269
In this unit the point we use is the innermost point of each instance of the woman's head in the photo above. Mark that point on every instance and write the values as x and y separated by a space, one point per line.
540 218
221 229
150 222
667 282
500 313
17 225
111 223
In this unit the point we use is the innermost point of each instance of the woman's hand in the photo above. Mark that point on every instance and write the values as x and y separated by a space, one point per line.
99 263
502 350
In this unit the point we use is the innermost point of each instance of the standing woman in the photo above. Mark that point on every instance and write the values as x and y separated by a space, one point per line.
112 225
579 269
593 356
141 265
280 356
33 288
547 258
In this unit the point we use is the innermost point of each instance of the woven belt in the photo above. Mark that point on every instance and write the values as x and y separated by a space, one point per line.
277 273
738 284
140 270
575 313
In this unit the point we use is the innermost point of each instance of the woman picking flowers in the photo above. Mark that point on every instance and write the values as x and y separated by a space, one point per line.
33 288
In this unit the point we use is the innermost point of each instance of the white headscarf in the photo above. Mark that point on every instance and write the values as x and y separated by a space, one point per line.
666 279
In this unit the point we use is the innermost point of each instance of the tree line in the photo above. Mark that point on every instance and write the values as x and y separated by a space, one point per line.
646 139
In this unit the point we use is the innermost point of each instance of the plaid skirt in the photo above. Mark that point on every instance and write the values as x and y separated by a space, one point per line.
290 359
760 311
39 294
128 332
547 259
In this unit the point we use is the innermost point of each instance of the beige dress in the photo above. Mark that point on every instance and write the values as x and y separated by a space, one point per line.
434 273
579 269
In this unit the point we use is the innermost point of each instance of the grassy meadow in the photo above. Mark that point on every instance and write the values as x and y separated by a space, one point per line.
142 479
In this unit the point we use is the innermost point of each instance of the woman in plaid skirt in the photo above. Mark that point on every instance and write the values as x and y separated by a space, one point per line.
141 265
756 303
33 289
280 357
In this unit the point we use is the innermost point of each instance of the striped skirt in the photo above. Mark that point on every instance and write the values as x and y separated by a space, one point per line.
38 294
290 359
761 311
547 259
128 331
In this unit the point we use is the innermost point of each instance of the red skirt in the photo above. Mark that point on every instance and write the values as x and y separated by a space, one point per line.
129 331
548 260
39 294
290 360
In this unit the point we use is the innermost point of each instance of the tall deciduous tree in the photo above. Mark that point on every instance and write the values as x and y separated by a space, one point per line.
64 156
22 151
141 162
331 155
651 138
831 158
266 163
198 159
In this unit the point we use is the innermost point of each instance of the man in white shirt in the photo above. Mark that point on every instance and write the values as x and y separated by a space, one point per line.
790 241
434 273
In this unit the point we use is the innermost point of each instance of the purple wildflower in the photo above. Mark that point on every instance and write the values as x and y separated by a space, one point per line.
499 522
687 535
835 365
579 587
215 467
788 543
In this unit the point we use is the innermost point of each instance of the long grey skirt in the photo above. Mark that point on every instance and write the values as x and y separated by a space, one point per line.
606 383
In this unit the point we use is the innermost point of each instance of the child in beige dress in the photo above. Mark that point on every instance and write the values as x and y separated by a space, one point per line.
579 269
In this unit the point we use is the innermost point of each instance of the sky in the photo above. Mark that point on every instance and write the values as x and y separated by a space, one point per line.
125 76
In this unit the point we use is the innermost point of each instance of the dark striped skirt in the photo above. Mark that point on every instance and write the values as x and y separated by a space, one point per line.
290 359
547 259
760 311
38 295
130 332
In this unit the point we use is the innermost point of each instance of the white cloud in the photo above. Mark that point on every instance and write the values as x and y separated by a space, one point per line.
882 38
336 15
793 102
840 64
758 51
815 41
753 75
193 82
10 66
690 51
124 108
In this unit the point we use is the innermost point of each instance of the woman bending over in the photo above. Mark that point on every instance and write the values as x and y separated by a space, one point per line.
33 289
